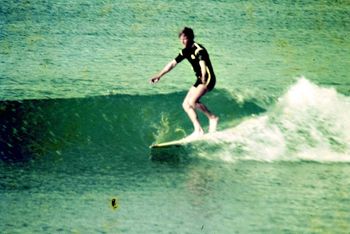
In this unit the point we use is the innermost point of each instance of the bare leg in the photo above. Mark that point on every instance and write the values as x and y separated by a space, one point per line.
189 105
213 119
191 102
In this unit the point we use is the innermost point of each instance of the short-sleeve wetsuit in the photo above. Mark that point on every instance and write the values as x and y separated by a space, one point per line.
195 54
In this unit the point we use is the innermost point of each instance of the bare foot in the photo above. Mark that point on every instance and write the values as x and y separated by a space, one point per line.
213 123
195 135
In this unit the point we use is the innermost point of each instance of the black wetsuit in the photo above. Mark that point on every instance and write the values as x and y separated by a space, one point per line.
195 54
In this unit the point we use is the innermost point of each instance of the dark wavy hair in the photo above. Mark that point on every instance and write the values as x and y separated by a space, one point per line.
188 32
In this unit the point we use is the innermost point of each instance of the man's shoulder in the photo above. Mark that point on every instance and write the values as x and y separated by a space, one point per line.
199 46
195 49
199 49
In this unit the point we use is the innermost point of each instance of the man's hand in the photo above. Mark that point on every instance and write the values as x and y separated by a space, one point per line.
154 80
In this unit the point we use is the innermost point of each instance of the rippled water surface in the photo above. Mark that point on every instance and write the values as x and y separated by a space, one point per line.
77 116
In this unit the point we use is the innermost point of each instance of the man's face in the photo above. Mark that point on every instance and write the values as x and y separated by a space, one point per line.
184 41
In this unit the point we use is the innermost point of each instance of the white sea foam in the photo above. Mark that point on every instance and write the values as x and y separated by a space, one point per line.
307 123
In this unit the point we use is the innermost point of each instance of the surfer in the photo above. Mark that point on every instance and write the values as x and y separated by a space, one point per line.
198 57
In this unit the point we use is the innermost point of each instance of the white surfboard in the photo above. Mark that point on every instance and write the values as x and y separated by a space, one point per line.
178 143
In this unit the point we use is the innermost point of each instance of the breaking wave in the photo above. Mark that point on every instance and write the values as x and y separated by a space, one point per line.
307 123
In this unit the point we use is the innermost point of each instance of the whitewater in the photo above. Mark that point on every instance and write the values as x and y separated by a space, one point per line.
307 123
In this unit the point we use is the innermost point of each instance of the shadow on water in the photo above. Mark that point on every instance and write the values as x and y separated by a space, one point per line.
175 154
123 124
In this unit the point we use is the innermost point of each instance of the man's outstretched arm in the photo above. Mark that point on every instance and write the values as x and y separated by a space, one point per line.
165 70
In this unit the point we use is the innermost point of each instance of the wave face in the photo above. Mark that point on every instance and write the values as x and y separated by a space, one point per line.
307 123
119 124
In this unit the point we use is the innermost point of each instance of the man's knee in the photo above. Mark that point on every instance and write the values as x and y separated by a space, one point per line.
187 104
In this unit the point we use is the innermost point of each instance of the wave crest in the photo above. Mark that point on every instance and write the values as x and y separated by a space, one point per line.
307 123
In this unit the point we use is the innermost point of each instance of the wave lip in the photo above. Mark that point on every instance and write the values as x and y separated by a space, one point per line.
307 123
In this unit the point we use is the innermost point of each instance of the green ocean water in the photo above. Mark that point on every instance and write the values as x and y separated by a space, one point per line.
77 115
88 48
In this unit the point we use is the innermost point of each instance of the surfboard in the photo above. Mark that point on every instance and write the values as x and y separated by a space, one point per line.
176 143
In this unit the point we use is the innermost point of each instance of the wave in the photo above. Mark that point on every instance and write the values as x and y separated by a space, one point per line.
118 125
307 123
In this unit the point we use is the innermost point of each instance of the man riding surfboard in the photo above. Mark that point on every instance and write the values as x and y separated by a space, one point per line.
198 57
